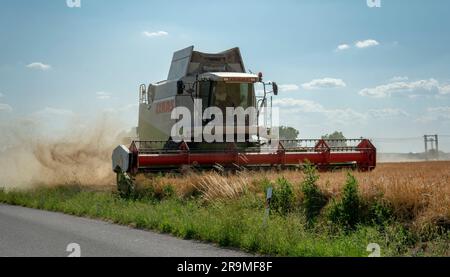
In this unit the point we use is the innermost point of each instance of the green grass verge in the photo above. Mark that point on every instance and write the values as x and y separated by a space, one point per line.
232 223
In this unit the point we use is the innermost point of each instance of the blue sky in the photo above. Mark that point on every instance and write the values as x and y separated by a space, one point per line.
373 72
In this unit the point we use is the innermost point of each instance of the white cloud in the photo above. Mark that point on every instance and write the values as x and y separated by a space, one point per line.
288 87
359 44
386 112
366 43
399 79
445 89
443 110
103 95
345 116
54 111
342 47
5 108
155 34
39 66
300 105
338 116
342 116
435 114
324 83
410 89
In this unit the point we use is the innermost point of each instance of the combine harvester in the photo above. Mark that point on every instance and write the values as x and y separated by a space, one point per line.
220 80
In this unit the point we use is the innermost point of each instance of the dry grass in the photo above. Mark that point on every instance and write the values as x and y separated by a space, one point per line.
419 193
215 186
211 185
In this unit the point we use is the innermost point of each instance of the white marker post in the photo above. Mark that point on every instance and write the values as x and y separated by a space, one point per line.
268 199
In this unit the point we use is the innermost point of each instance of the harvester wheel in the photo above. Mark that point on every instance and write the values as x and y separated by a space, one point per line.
125 185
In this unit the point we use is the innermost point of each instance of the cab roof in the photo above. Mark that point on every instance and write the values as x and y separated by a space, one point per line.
232 77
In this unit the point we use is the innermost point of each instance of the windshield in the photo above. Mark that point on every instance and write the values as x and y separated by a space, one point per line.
222 94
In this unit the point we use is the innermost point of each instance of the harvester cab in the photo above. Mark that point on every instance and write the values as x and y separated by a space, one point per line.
198 81
208 114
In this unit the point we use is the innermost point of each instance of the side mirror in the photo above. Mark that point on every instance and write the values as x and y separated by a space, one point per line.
180 87
275 88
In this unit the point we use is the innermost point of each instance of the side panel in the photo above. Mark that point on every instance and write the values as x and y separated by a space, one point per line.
155 121
154 116
149 126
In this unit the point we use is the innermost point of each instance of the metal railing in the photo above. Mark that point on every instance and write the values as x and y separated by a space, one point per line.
297 145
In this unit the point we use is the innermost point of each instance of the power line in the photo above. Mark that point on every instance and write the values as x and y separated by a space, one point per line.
405 138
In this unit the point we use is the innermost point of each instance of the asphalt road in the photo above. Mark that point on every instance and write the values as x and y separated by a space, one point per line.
35 233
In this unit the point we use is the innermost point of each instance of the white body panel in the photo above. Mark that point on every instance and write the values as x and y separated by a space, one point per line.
121 158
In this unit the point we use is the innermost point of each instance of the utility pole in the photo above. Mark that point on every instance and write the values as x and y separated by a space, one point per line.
437 146
433 141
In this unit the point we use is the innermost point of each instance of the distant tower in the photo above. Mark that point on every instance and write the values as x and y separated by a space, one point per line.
433 141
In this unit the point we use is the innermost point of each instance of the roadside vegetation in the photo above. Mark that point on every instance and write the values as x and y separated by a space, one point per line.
404 208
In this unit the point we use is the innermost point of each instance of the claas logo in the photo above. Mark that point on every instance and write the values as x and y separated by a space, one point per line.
165 106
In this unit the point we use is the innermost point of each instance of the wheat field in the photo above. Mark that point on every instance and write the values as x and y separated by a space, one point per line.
418 192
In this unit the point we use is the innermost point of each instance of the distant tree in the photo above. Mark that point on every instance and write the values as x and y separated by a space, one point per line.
335 135
336 139
288 133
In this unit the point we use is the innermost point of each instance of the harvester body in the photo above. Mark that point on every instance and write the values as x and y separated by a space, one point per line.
198 81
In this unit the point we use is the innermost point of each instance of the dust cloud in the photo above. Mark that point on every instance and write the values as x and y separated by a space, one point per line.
80 154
